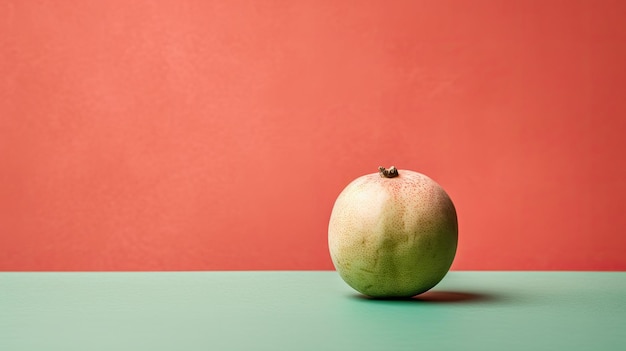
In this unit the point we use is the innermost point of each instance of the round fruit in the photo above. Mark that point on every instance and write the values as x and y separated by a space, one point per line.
393 233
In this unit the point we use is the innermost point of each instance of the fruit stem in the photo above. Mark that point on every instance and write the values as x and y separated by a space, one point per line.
392 172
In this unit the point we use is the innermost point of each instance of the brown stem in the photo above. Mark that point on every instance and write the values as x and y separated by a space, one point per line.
392 172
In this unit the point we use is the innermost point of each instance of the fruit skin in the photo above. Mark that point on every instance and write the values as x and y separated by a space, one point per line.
393 237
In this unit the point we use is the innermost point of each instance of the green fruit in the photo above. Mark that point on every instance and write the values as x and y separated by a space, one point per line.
393 233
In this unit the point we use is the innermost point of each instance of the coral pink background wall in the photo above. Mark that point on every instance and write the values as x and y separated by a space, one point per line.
206 135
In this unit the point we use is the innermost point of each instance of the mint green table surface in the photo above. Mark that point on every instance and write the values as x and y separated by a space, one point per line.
309 311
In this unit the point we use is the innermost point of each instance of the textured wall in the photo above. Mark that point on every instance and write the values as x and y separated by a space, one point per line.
184 135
